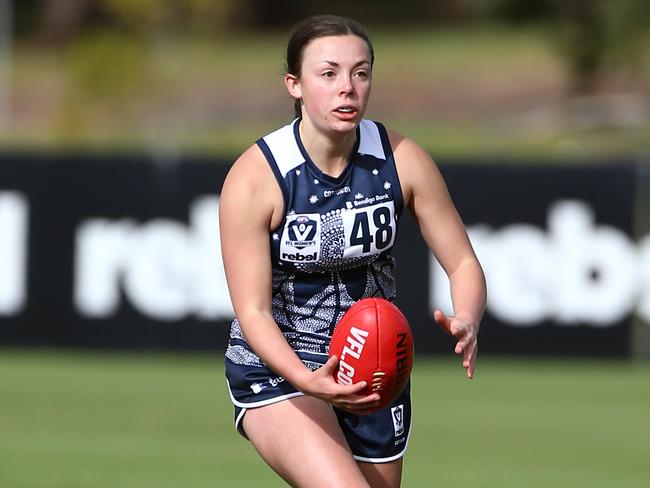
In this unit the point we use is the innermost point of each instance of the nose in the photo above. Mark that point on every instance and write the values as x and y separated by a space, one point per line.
345 84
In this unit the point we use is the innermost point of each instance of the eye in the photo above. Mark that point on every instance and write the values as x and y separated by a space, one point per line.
361 74
328 74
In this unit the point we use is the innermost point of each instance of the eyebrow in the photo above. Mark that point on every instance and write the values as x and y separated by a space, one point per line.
336 65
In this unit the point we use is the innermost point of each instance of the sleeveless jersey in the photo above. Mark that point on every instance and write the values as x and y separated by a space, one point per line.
333 245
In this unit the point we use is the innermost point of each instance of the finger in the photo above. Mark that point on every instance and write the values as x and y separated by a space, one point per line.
462 346
472 364
465 336
372 398
468 351
341 391
330 366
360 403
469 361
327 371
442 320
353 389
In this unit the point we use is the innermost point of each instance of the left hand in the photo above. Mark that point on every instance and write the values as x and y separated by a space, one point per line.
466 332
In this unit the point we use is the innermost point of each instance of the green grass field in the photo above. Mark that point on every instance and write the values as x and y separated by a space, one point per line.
82 419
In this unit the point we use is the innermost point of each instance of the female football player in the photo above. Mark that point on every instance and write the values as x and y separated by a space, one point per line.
308 217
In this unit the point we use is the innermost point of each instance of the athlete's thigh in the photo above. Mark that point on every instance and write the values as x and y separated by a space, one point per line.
383 475
301 440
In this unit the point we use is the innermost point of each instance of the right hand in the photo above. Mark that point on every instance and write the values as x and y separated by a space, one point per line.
321 384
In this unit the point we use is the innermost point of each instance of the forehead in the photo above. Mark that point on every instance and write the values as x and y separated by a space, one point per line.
336 48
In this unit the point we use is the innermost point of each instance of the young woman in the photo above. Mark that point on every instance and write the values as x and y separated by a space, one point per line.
308 217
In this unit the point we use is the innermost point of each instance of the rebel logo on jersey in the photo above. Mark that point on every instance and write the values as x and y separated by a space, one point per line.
301 238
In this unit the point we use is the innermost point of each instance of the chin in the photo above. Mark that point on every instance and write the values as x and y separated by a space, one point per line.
334 126
345 125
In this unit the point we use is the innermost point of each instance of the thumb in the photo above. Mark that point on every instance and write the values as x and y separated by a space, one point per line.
328 370
330 366
443 321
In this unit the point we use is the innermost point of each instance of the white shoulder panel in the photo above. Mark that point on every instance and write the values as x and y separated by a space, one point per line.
284 148
370 140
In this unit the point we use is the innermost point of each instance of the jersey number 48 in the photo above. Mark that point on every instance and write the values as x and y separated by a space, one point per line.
369 230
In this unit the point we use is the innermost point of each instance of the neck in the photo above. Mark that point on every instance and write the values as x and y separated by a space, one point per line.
330 152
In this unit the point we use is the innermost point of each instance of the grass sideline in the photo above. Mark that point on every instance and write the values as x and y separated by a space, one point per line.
79 419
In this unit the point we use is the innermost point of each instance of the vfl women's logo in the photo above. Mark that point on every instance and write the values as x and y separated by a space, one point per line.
302 232
398 419
301 238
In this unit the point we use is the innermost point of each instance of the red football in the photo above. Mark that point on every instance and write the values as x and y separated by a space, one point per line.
374 343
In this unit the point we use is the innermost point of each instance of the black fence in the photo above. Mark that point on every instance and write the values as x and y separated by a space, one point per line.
121 252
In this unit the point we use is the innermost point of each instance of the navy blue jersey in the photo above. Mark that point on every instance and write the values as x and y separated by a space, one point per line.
331 249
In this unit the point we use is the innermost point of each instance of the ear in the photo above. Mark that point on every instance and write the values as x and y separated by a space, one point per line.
292 82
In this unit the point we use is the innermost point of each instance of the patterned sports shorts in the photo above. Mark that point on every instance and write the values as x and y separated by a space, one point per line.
376 438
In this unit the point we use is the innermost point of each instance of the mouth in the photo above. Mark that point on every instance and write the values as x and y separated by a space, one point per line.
346 110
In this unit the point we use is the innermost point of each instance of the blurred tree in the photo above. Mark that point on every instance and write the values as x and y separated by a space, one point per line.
26 16
59 21
62 19
282 13
582 42
593 32
198 16
511 10
593 36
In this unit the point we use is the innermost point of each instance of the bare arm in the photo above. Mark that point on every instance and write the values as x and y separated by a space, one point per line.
251 204
426 195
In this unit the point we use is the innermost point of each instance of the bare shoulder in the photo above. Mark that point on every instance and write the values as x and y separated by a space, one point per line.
250 185
405 146
411 159
415 166
249 170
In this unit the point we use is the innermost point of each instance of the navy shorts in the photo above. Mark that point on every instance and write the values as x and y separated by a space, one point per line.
380 437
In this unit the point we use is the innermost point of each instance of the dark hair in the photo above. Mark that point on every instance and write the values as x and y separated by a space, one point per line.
314 27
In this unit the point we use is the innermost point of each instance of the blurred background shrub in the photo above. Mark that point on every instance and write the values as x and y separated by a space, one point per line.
462 76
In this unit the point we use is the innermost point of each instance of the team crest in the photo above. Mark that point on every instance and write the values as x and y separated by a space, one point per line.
301 238
398 419
302 232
